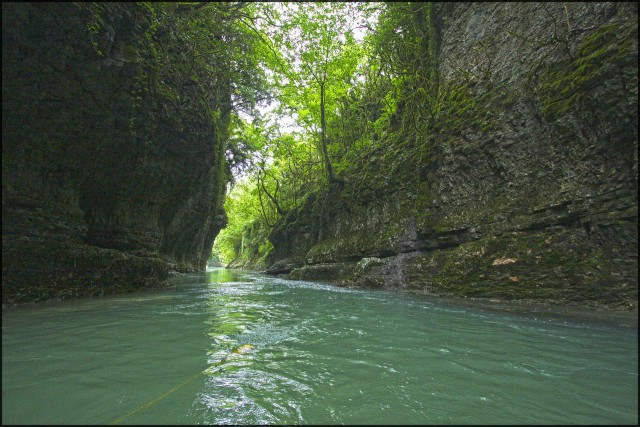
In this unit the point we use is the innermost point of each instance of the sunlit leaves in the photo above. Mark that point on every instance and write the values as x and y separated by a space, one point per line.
311 59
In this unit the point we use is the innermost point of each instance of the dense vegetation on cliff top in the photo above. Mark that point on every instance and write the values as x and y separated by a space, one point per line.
350 82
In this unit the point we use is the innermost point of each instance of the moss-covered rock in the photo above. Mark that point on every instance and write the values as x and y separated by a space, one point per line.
99 149
47 270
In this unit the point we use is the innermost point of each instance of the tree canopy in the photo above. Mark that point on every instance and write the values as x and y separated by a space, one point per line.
343 80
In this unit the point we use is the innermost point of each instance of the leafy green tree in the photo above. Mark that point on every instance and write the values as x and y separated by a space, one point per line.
318 42
311 63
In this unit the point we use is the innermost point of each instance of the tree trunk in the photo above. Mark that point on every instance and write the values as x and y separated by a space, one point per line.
323 136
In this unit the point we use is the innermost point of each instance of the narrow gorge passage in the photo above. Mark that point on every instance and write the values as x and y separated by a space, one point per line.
418 212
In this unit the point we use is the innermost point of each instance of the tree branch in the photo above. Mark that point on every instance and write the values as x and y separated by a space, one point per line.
185 7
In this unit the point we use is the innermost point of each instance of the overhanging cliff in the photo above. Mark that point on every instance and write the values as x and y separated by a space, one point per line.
113 171
526 188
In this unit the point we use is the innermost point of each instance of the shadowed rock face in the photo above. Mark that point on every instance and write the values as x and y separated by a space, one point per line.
106 182
539 203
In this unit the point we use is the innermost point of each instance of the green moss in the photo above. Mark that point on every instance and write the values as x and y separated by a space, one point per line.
611 44
422 208
462 109
545 266
358 244
45 270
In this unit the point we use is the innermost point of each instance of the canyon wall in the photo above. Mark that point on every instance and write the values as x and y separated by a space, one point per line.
109 179
533 197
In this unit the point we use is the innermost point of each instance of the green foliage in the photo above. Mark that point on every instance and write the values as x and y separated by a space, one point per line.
312 65
368 110
405 46
320 47
244 241
94 25
242 214
280 171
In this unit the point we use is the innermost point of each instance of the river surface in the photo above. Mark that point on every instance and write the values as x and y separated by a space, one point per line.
232 347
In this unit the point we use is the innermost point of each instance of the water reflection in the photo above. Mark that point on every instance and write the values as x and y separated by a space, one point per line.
247 327
222 275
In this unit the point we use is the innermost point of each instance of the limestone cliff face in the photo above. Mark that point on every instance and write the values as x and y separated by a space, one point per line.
106 180
536 200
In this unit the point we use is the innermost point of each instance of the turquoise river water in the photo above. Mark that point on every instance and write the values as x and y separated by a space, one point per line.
232 347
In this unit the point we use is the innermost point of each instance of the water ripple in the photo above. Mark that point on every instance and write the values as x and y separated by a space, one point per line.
274 351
